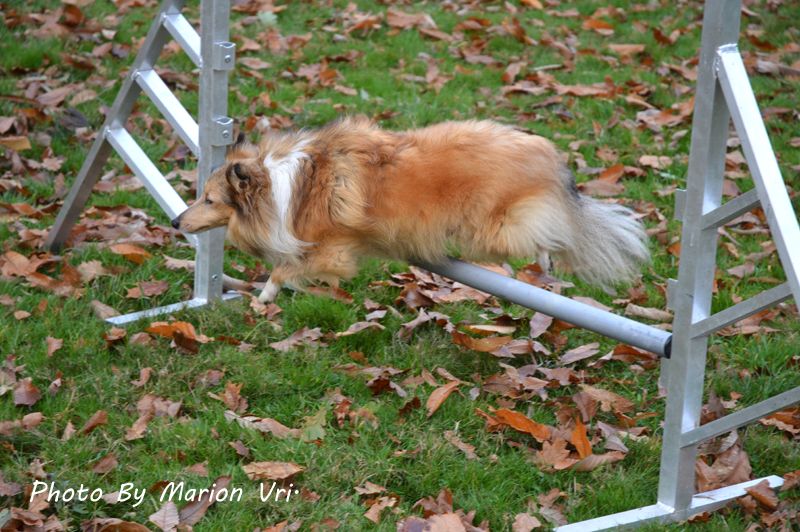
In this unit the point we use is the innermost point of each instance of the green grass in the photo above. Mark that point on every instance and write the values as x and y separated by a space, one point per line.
296 385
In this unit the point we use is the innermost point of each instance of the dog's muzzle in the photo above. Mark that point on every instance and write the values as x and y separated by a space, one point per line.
176 223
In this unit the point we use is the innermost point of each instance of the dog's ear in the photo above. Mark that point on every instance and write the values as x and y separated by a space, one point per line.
241 140
238 178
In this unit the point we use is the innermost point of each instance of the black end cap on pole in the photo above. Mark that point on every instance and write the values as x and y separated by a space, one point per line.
667 348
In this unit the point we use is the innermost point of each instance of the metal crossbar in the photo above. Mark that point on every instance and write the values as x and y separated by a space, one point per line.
207 137
722 85
579 314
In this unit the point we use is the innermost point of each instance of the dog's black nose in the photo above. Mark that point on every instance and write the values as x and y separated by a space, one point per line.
176 223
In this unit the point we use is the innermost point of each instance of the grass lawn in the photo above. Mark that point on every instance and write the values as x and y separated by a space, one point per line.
555 71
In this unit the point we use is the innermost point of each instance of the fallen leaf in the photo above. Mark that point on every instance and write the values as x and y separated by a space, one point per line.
26 393
144 376
374 511
609 401
304 336
466 448
53 345
525 523
484 345
131 252
103 311
593 461
764 494
635 311
579 353
520 422
98 418
148 289
271 470
194 511
439 395
579 440
166 518
105 464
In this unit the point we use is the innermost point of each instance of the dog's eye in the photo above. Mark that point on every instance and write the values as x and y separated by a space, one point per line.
208 201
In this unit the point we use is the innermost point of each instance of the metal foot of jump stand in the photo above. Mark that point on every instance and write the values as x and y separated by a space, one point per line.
207 138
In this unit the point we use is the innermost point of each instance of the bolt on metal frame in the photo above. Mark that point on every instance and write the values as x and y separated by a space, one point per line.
207 138
723 91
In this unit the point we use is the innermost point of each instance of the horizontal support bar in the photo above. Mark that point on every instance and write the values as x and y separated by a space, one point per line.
197 302
740 418
661 513
730 210
169 106
739 311
579 314
183 32
169 200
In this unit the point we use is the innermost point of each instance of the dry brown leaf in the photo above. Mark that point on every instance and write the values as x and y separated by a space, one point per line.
53 345
166 518
439 395
609 401
139 427
98 418
265 425
648 313
304 336
194 511
764 494
484 345
555 455
522 423
144 376
131 252
579 439
271 470
105 464
103 311
579 353
525 523
593 461
148 289
26 393
374 512
466 448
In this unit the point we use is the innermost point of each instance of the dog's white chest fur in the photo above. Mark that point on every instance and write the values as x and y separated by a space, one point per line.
282 173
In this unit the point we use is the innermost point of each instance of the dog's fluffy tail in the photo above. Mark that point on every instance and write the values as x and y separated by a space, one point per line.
607 245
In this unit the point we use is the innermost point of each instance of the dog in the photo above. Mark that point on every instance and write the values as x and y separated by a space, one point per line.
314 202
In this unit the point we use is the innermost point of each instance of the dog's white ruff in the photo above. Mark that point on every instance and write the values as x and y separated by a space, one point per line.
282 173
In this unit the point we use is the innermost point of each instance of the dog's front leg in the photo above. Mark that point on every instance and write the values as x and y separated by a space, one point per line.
269 292
273 285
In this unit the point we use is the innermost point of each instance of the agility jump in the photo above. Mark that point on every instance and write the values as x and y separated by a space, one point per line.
723 92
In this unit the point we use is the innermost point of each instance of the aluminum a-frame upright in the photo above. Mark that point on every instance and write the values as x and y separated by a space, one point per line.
723 93
207 138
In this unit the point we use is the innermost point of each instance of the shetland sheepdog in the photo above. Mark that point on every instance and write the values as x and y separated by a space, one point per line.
313 202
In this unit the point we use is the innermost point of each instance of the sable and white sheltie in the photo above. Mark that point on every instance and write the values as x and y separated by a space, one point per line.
313 202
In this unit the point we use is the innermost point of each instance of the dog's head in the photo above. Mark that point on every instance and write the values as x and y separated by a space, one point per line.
230 190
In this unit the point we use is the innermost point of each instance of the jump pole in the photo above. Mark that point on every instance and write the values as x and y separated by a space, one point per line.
579 314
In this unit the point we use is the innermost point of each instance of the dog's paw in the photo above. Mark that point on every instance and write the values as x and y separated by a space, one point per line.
269 292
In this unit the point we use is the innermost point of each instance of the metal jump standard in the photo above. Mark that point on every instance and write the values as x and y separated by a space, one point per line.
723 92
207 138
